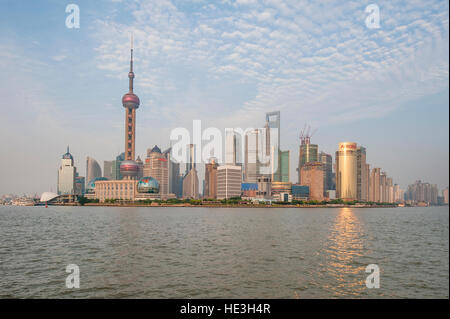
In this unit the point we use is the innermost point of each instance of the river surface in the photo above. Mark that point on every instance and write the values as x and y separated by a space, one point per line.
182 252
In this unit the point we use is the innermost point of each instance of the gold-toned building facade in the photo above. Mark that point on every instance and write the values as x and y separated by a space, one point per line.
346 171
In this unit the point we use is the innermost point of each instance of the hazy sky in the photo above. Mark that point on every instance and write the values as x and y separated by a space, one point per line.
225 63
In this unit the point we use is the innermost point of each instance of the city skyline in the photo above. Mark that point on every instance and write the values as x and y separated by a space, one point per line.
75 112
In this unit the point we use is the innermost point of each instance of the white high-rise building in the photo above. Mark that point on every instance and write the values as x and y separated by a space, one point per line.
252 140
229 179
66 175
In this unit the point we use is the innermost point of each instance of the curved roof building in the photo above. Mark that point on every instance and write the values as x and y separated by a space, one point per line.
48 196
93 169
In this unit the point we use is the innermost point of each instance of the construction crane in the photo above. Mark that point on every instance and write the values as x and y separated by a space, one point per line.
306 134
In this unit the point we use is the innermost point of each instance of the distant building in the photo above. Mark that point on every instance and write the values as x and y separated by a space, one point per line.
116 189
420 192
140 165
362 176
308 153
312 176
190 184
252 147
327 164
175 179
111 169
445 196
66 175
210 186
374 185
233 147
191 160
346 171
79 185
281 187
157 166
284 160
264 187
249 189
229 179
300 192
271 148
93 169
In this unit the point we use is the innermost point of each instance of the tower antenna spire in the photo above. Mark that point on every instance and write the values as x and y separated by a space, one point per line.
131 73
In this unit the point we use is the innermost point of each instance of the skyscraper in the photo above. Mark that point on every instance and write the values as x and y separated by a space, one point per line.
312 176
190 161
210 186
374 185
272 145
422 192
273 123
346 171
130 101
174 174
93 169
156 166
66 175
284 160
327 162
308 153
252 147
111 169
190 184
233 148
362 177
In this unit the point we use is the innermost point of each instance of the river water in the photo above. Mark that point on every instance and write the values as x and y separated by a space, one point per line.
182 252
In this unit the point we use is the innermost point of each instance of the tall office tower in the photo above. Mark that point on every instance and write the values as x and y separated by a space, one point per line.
210 185
179 189
390 190
111 169
434 194
108 169
308 153
190 161
229 179
312 176
273 123
272 144
156 165
374 189
346 171
327 162
284 160
174 173
367 169
190 184
141 167
66 175
383 186
129 169
252 147
93 169
396 197
445 195
362 177
233 148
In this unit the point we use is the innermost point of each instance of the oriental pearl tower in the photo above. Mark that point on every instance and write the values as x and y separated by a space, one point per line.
129 168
